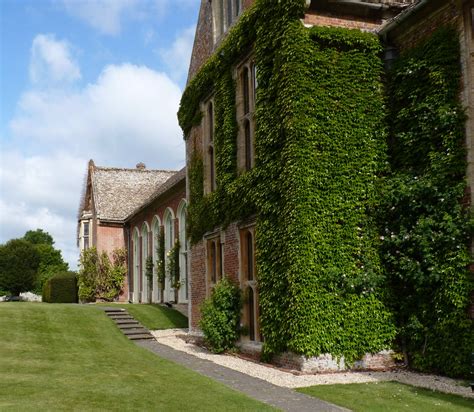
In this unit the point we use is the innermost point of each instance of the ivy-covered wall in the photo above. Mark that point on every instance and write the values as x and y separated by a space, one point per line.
320 147
358 241
424 217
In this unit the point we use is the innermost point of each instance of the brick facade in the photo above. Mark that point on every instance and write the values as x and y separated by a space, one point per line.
170 202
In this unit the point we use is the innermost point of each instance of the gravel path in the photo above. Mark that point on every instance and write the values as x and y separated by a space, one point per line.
286 379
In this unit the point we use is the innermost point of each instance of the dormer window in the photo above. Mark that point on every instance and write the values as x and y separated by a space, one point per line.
224 14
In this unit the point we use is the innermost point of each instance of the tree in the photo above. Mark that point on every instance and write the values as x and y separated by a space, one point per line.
51 263
51 260
39 237
19 262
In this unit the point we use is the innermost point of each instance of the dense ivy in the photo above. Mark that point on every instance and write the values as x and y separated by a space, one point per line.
425 225
320 146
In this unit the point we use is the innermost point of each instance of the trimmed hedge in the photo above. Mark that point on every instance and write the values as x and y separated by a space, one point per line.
61 288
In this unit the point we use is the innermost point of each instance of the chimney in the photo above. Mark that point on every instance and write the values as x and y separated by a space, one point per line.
141 166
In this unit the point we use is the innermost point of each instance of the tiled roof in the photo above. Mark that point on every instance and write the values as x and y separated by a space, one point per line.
169 184
118 192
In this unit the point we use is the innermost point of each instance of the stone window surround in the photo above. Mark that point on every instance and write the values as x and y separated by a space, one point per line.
214 267
245 120
209 154
246 283
224 15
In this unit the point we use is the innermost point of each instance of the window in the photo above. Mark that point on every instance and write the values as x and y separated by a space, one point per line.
183 252
224 14
84 240
144 281
85 236
246 94
136 265
210 160
215 261
155 228
248 282
168 223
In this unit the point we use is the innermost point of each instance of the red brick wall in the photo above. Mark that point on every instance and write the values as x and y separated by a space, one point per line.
109 238
198 283
418 28
349 22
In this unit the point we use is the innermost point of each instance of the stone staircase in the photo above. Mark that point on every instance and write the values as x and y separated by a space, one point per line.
131 328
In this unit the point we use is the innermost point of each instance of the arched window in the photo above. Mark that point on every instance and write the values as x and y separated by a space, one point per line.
245 115
168 223
136 266
183 251
144 279
155 229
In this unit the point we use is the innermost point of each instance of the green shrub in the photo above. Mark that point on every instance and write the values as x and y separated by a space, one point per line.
221 316
61 288
99 277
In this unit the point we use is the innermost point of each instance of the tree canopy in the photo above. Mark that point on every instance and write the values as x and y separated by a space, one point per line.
19 262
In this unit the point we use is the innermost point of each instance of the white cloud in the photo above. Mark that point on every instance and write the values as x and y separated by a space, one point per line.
41 192
127 115
103 15
177 57
51 61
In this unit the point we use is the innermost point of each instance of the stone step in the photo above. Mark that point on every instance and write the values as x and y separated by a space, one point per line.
126 322
123 317
136 331
140 337
126 326
114 310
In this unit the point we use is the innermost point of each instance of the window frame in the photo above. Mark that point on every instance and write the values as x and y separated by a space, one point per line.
245 75
209 128
248 282
214 260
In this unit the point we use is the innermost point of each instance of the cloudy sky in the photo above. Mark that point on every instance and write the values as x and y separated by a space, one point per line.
80 80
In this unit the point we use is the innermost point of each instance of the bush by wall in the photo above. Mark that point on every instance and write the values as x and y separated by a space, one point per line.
61 288
220 319
425 223
100 277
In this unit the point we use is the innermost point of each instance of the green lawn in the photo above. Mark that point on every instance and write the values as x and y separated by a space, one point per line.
157 317
73 358
388 396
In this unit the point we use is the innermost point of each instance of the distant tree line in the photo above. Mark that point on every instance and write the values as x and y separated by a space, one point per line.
28 262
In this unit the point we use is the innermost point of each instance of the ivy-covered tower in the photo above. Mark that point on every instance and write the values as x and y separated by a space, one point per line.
284 122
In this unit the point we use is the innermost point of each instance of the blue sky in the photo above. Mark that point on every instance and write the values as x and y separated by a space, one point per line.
83 79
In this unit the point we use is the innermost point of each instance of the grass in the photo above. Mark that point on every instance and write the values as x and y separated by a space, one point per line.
389 396
157 317
73 358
